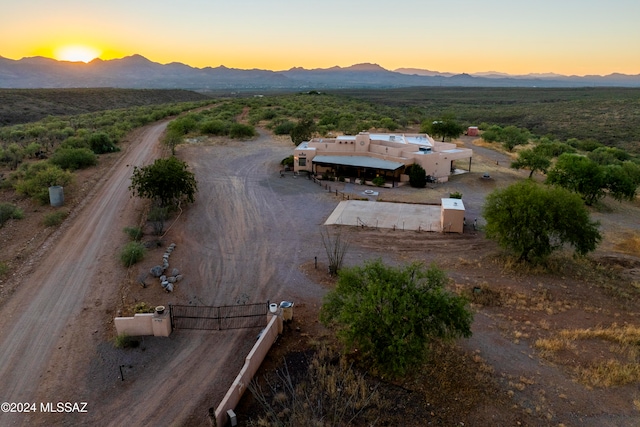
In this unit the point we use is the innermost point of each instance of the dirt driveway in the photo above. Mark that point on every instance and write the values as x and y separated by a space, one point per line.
238 243
249 237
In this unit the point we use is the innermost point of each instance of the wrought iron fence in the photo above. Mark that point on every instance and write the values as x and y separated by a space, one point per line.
218 318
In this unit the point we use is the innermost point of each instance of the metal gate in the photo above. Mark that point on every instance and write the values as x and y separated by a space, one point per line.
218 318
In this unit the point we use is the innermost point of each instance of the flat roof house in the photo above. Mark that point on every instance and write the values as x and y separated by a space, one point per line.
365 156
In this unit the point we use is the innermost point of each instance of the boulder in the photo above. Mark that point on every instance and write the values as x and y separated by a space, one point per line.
156 271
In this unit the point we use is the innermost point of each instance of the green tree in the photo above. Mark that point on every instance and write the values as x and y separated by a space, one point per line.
534 220
302 131
621 180
579 174
512 136
443 128
391 314
533 160
608 156
417 176
166 180
491 133
552 148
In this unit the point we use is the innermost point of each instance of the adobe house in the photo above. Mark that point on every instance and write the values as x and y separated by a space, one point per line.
365 156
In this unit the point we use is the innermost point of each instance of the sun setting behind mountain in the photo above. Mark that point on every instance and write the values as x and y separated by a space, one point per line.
76 53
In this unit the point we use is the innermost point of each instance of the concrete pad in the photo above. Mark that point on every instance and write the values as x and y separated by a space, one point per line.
402 216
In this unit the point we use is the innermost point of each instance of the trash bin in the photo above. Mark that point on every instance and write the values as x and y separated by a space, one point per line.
287 310
56 196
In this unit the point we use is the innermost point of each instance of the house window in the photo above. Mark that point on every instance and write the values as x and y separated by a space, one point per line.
302 161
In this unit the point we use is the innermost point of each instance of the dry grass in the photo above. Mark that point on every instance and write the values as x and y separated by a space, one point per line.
609 374
621 367
629 244
331 392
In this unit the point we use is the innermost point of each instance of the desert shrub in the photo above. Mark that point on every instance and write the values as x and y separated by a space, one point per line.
388 123
134 233
54 219
101 143
143 307
132 253
378 181
588 145
34 180
455 195
125 341
4 268
214 127
238 130
184 124
74 142
287 161
492 134
74 158
381 311
12 155
9 211
341 395
284 128
32 149
158 215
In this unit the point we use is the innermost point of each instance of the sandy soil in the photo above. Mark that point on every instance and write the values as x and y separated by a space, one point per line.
252 236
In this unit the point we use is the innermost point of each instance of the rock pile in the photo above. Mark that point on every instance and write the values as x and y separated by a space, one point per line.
159 271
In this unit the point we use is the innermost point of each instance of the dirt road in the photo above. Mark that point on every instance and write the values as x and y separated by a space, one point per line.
54 328
71 272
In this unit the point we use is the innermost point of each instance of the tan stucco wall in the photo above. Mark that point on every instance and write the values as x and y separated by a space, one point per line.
141 324
452 220
251 365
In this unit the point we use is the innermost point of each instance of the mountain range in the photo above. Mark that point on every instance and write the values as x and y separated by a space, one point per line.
138 72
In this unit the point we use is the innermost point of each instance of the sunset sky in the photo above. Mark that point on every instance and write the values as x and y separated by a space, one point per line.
514 36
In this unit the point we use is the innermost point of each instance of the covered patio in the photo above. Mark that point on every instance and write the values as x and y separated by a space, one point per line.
359 167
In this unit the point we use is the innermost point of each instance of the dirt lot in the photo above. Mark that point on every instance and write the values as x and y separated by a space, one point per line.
252 236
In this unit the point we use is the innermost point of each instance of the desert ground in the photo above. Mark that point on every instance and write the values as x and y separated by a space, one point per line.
252 236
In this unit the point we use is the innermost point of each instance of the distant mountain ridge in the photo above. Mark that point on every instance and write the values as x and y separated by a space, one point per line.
138 72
